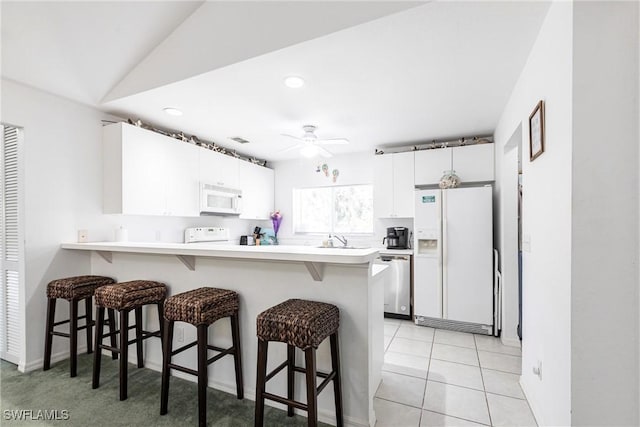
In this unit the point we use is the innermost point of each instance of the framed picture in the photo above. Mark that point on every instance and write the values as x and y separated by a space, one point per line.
536 132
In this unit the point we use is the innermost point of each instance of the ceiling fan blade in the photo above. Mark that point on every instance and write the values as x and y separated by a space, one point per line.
333 141
324 153
293 137
286 150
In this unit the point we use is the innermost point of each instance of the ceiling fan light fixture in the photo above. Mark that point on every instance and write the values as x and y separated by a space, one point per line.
294 82
309 151
172 111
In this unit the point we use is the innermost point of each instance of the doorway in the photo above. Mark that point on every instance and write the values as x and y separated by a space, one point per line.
510 207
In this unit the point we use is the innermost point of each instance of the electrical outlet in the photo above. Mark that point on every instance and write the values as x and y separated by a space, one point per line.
180 334
537 370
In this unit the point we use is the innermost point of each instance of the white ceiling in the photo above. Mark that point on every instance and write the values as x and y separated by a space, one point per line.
439 70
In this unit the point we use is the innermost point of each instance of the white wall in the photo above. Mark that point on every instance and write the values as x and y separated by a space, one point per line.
546 216
63 193
604 293
355 168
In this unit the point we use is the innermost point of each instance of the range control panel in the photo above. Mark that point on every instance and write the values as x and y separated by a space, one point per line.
206 234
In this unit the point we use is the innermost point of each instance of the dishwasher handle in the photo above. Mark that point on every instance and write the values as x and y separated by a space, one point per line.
390 258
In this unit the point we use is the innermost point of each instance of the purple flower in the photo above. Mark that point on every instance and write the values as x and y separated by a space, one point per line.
276 220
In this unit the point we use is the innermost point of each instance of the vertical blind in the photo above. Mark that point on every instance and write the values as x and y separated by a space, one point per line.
10 340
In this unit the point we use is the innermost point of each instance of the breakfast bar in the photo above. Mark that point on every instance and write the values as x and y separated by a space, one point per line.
264 276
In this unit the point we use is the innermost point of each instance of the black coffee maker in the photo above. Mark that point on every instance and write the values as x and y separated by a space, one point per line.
397 238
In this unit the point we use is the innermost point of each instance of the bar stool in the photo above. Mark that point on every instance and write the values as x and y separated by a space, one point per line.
200 307
73 289
303 324
125 297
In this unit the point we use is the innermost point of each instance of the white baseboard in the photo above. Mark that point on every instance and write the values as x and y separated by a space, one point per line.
535 410
511 342
55 358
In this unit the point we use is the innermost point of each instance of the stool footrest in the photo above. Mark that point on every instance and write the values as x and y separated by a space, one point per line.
222 353
108 347
183 369
62 322
276 370
326 381
304 371
285 401
183 348
59 334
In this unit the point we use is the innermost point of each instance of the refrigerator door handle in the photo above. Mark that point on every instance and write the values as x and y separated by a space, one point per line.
445 257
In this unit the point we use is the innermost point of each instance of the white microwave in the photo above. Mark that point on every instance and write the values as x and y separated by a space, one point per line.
217 200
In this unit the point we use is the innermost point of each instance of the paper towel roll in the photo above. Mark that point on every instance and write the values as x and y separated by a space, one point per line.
122 235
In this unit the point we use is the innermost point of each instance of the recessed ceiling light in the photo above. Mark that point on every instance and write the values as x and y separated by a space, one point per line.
172 111
294 82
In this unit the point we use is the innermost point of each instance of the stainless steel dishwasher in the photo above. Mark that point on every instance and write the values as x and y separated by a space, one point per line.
397 292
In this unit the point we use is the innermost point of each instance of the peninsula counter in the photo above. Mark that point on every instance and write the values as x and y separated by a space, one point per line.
264 276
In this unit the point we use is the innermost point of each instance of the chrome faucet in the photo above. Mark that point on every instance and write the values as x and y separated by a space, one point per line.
341 239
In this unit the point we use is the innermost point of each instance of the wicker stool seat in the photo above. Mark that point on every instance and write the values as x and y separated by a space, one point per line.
73 289
200 307
78 287
303 324
126 297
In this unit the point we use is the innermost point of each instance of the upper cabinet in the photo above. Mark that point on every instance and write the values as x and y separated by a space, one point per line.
219 169
257 185
472 163
393 185
146 173
431 164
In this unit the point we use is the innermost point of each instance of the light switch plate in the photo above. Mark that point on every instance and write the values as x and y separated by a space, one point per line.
526 242
83 236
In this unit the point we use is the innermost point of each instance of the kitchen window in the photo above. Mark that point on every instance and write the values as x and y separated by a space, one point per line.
346 209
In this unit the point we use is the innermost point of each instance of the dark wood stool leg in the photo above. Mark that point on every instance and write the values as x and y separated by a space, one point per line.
89 322
237 358
312 389
97 356
291 363
73 336
48 337
337 384
138 312
112 329
167 348
160 307
202 374
263 346
124 352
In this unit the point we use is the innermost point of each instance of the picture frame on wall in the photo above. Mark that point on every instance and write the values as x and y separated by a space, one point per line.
536 131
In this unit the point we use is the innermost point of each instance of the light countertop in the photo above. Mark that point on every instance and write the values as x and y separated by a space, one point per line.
217 250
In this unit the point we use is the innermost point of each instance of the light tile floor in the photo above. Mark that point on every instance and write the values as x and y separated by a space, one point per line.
444 378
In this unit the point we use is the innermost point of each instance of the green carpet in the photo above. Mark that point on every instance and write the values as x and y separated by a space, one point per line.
55 390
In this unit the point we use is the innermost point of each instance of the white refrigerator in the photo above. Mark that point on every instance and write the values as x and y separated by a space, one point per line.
453 260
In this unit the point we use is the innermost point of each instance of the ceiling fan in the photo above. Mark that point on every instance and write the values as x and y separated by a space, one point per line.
310 145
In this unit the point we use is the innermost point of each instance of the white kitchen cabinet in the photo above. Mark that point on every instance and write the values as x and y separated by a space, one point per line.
472 163
219 169
393 185
431 164
183 190
257 185
146 173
